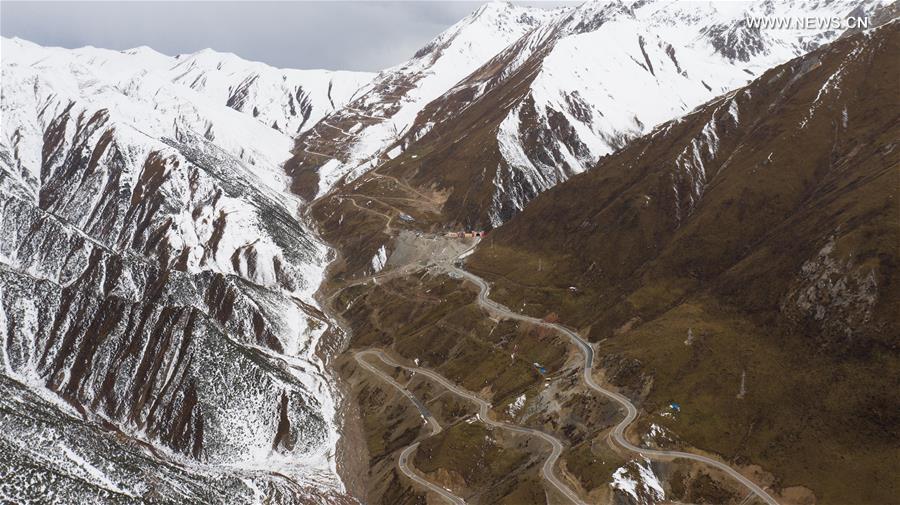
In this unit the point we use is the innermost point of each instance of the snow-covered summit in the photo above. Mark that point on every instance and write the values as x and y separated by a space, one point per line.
602 73
479 35
126 194
350 140
287 100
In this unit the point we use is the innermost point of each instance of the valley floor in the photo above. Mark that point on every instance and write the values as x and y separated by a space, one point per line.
403 380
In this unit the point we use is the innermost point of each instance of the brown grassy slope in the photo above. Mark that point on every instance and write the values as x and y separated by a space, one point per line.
447 175
771 199
780 253
457 155
488 461
460 156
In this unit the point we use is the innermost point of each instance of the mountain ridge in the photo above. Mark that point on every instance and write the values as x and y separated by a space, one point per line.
350 142
713 250
557 131
158 281
185 238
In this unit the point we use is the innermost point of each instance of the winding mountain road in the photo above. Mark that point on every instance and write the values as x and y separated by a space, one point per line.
484 416
403 460
617 434
630 410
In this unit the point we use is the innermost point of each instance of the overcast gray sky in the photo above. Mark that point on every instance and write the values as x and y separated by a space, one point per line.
322 34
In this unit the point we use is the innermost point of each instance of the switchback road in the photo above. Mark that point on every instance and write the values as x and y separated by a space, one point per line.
630 410
484 416
403 461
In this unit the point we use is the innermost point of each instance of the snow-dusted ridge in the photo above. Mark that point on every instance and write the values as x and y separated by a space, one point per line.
288 100
351 140
603 73
155 274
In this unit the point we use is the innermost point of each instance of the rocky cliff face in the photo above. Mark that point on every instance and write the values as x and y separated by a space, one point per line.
155 280
734 158
582 85
355 138
756 234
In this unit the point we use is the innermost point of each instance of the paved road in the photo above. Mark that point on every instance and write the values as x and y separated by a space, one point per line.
484 416
409 472
630 410
403 461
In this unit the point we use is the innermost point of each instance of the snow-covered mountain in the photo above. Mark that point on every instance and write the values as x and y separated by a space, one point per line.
155 279
350 141
291 101
158 332
583 83
780 219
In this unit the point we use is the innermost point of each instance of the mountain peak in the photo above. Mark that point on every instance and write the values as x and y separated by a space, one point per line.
210 56
498 5
503 17
144 51
589 16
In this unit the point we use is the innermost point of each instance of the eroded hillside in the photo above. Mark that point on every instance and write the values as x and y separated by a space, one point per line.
743 257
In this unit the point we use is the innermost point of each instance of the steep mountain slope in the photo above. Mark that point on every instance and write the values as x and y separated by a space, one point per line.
742 261
581 86
288 100
160 342
156 282
349 142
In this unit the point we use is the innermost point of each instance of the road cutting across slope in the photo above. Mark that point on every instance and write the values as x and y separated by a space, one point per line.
631 412
403 460
484 416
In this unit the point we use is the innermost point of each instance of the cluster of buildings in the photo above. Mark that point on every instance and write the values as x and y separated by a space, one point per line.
466 234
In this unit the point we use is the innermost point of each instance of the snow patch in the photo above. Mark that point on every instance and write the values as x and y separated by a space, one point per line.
380 259
93 473
637 480
516 405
